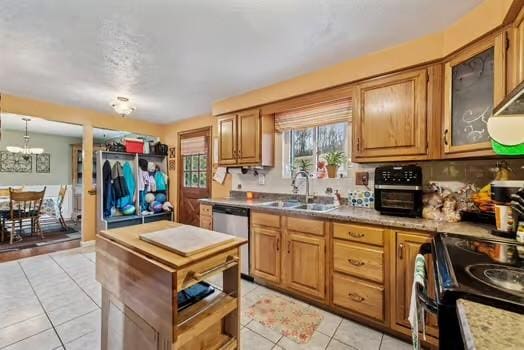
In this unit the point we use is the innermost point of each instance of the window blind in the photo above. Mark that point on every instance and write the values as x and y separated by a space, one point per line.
320 114
194 145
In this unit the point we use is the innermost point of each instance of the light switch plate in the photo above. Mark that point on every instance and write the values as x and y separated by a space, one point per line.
261 179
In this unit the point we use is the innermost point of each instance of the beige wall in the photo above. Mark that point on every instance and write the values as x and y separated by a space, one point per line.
89 119
171 138
483 19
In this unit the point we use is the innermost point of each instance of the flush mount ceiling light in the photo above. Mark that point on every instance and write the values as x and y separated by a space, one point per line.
25 150
122 106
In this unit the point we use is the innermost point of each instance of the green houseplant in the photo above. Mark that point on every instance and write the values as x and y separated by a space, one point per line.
304 164
334 160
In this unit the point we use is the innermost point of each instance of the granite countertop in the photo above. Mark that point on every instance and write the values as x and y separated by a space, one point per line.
365 216
487 327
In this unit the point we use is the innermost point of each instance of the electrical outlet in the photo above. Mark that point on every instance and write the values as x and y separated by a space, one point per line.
362 178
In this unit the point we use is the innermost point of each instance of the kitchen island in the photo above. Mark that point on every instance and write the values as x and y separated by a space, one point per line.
141 283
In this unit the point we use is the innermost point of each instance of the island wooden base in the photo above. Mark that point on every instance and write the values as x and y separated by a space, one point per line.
140 284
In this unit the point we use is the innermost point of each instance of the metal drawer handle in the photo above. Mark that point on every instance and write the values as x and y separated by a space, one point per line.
356 262
230 262
356 235
356 297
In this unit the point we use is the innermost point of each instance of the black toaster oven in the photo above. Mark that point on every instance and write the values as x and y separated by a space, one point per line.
398 190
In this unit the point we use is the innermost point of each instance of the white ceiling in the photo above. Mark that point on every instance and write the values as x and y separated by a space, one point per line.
173 58
42 126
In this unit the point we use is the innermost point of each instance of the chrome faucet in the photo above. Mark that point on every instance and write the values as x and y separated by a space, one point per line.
295 188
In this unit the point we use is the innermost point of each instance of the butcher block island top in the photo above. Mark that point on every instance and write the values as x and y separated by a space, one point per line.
143 283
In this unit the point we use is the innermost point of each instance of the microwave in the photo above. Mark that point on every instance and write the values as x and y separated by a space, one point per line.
398 190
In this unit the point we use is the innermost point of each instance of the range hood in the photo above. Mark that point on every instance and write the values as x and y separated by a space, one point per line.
506 126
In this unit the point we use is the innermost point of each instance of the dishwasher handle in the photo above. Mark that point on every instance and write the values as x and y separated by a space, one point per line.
224 209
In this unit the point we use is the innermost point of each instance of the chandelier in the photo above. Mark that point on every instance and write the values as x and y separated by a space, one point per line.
26 151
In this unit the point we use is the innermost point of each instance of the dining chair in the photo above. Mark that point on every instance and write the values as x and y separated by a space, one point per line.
59 206
25 205
4 210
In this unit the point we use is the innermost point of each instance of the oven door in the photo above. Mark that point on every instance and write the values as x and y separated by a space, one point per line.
405 202
450 336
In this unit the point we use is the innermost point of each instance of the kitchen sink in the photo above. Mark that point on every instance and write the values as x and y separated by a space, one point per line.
316 207
300 206
282 204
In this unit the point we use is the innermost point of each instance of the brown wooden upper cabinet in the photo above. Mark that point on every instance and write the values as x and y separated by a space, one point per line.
245 138
389 117
516 53
474 82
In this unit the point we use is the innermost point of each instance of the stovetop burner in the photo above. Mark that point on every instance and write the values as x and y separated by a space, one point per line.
506 278
487 269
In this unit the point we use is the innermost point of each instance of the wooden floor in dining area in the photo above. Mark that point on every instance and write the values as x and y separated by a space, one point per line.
46 249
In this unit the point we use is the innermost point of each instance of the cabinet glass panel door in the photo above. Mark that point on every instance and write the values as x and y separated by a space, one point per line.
472 99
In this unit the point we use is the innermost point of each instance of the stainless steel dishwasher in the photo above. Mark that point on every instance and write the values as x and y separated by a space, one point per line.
234 221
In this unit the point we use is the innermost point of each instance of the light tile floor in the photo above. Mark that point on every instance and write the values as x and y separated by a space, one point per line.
53 301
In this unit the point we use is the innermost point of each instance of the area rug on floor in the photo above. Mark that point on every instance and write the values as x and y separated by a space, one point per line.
292 320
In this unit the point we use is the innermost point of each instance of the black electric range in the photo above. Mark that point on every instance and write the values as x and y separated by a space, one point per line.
488 271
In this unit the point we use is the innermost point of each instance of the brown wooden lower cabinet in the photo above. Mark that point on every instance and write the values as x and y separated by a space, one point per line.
361 271
407 248
206 216
305 264
265 253
360 296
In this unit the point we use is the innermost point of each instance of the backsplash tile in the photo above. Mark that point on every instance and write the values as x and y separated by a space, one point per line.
478 172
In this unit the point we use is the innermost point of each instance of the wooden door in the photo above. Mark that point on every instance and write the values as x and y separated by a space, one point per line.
194 174
474 82
227 140
389 117
407 248
305 264
265 253
248 136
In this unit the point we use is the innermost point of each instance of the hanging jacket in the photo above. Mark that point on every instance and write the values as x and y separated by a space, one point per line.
161 181
119 182
108 188
131 185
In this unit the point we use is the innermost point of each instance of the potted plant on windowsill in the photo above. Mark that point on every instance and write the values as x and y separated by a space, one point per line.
334 160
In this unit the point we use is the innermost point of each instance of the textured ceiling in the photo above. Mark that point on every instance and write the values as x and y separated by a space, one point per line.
173 58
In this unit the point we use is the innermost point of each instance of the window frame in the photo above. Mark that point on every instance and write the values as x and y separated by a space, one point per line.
288 158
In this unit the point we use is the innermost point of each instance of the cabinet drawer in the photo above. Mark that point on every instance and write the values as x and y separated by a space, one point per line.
315 227
206 210
359 296
361 261
359 233
206 222
265 219
193 274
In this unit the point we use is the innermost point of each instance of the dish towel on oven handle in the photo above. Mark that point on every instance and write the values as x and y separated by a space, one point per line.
416 311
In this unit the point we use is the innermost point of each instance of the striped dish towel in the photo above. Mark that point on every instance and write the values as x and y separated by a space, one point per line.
416 312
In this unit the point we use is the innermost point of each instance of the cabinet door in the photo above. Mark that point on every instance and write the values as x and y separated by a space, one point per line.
389 117
474 82
265 253
227 140
519 27
305 264
249 137
408 245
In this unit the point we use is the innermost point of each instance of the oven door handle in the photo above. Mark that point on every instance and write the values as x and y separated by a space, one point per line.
428 303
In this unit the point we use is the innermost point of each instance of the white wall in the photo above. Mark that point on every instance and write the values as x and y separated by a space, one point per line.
60 150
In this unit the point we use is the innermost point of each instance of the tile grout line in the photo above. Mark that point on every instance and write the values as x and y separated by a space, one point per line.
74 281
41 305
253 320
